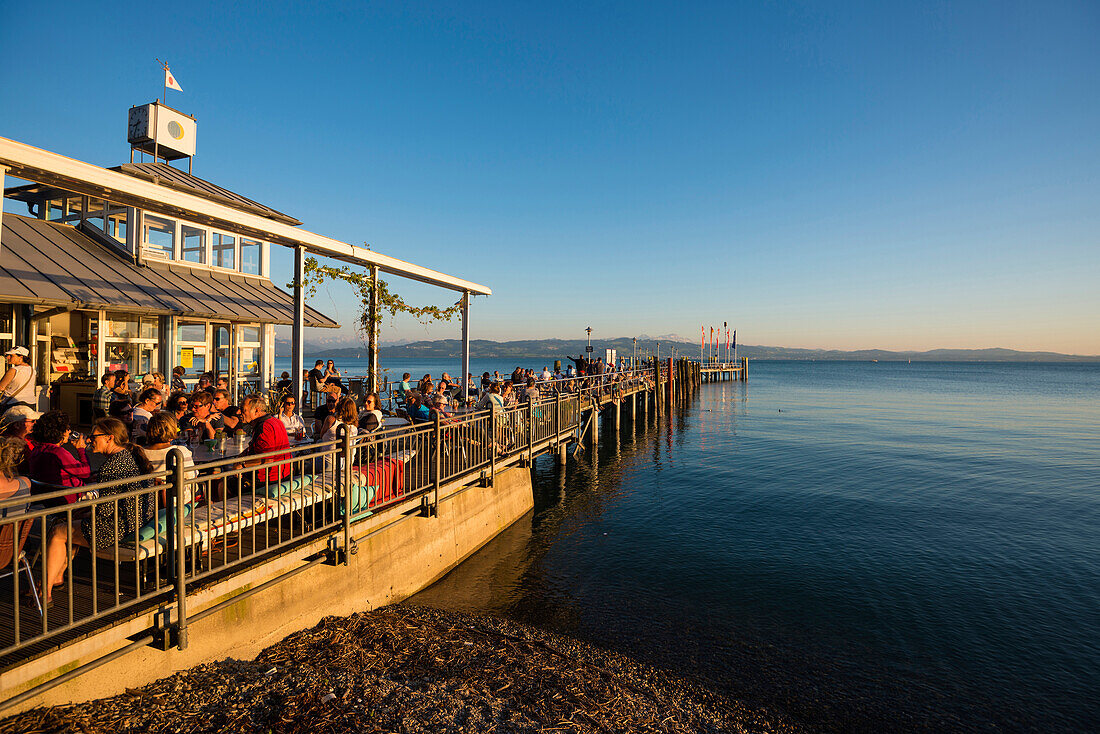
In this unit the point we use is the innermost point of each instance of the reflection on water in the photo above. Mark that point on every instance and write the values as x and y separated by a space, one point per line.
863 546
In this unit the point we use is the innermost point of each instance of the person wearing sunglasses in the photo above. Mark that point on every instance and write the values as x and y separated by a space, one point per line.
112 520
177 406
290 417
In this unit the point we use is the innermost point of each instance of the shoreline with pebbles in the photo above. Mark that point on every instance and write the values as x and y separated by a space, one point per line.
414 669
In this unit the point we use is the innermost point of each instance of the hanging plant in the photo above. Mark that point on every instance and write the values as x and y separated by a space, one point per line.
388 302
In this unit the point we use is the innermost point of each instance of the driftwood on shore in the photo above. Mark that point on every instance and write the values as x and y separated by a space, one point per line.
407 669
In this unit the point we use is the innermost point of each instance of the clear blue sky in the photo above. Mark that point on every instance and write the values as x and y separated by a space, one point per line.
895 175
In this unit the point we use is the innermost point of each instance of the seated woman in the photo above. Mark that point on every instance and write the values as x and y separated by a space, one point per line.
370 418
177 405
290 417
177 379
12 486
50 462
415 408
124 461
284 384
159 435
346 414
333 377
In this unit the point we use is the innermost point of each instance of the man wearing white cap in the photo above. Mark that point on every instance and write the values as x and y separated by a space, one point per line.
17 384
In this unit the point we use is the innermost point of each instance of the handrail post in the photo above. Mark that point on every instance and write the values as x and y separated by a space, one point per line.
530 432
492 444
176 515
437 436
346 437
557 419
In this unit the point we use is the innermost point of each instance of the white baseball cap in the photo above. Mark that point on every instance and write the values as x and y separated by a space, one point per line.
19 413
21 351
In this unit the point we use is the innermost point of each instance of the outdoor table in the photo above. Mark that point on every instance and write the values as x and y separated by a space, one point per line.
394 421
233 447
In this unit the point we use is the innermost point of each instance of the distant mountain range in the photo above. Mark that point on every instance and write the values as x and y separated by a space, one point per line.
559 348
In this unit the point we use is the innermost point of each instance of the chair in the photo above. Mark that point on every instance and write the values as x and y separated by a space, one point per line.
10 551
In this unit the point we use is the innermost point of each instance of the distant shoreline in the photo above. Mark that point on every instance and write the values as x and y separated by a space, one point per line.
560 349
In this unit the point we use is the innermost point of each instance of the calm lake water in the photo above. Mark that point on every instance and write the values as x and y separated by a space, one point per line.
863 546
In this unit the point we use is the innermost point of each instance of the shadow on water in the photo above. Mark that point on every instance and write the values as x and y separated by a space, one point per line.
624 550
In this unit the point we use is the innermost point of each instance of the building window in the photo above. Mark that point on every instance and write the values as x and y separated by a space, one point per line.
191 331
225 247
7 327
116 222
250 256
194 244
132 341
159 236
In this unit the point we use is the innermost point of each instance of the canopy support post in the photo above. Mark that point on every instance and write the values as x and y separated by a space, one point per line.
464 377
297 340
372 343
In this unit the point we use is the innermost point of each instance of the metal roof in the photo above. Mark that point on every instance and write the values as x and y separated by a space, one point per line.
58 265
34 164
165 175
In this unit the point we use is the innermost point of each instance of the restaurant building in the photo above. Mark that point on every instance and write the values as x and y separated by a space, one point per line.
148 267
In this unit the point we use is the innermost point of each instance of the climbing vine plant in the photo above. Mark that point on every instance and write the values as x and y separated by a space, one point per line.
388 302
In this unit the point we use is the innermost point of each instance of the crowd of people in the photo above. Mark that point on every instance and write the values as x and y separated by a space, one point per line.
136 425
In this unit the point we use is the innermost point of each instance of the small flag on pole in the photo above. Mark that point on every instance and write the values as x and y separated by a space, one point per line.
170 81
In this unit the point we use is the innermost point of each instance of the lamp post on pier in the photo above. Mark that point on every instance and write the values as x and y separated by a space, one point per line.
634 354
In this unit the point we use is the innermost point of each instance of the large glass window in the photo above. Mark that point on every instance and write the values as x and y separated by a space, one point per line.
225 249
191 331
132 341
159 236
250 256
194 243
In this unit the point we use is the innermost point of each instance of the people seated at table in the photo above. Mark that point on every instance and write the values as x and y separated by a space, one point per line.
290 417
113 521
425 385
446 382
122 387
12 484
486 381
371 417
122 410
440 404
284 384
18 422
268 434
178 384
333 377
178 402
346 414
160 432
222 383
415 408
205 382
508 394
149 402
405 385
101 398
199 419
218 408
491 398
51 461
531 394
322 417
318 381
231 421
545 376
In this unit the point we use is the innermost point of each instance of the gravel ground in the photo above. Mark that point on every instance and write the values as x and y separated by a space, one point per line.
410 669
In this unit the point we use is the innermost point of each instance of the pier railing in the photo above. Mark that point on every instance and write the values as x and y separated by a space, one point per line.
159 537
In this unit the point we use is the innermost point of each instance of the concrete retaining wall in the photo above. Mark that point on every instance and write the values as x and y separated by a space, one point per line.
398 555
